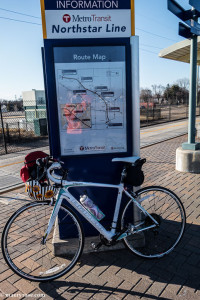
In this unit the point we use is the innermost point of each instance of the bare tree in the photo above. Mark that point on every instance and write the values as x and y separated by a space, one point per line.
183 83
145 95
158 91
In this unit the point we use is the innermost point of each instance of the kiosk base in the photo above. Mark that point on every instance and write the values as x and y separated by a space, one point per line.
60 247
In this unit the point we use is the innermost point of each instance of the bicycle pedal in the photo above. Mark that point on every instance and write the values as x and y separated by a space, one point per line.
96 247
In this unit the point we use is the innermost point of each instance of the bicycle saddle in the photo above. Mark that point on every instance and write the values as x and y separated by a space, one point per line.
130 160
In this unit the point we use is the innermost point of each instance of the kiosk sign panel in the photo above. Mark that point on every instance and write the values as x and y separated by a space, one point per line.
86 19
91 99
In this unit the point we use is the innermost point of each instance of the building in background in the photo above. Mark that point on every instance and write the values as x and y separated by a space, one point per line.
34 103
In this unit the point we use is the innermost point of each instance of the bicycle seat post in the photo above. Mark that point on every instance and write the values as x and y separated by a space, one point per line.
123 174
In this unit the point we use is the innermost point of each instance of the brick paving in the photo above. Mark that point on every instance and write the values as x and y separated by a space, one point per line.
119 274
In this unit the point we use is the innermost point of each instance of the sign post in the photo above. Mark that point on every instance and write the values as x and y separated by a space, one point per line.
191 29
91 67
192 99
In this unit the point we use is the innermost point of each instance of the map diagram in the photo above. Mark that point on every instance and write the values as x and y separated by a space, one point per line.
76 116
95 101
91 101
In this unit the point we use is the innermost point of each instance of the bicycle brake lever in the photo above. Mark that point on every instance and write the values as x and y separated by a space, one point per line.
59 161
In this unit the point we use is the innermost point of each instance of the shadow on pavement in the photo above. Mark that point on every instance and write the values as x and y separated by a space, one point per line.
180 268
74 288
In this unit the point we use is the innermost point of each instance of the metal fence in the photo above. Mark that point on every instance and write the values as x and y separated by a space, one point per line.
27 128
22 129
164 113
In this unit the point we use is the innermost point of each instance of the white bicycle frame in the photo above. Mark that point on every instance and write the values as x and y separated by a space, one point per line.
65 194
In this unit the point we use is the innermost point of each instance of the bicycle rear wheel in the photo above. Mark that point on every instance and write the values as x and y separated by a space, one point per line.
22 242
166 208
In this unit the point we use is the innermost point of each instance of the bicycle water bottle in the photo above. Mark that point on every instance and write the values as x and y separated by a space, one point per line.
91 207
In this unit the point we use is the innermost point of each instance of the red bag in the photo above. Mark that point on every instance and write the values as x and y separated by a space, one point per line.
24 173
30 159
29 171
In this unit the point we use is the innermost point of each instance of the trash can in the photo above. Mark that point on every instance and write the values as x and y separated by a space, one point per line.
40 126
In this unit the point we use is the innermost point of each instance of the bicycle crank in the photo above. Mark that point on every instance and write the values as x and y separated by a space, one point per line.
105 242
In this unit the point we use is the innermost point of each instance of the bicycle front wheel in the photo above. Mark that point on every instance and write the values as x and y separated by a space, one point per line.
166 208
24 251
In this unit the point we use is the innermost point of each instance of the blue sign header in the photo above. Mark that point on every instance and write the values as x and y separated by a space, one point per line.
89 54
86 4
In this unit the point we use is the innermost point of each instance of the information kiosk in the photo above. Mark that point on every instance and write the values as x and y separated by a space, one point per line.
91 79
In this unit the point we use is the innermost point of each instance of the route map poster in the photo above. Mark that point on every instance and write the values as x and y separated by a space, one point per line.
91 99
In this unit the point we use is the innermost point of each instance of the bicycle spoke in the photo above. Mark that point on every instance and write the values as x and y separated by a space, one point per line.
30 258
166 209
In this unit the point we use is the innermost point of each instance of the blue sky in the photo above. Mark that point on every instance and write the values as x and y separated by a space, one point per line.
20 50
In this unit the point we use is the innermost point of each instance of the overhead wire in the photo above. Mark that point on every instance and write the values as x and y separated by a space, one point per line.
164 37
151 46
155 21
19 13
16 20
148 51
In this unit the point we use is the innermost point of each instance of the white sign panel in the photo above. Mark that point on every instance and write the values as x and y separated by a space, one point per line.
91 99
73 24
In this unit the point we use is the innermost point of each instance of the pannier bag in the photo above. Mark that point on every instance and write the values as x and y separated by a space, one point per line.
135 175
38 186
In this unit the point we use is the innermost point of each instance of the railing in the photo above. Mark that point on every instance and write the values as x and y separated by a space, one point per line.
24 129
164 113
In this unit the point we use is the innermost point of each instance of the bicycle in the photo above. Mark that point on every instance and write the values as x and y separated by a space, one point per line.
31 233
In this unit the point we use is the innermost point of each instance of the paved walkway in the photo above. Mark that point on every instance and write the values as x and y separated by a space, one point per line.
119 274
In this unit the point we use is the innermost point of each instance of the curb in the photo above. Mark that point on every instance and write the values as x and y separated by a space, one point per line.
161 141
11 188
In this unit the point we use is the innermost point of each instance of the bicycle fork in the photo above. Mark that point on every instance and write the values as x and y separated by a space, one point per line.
52 218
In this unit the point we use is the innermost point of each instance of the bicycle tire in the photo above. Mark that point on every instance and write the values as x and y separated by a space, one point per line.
22 236
167 209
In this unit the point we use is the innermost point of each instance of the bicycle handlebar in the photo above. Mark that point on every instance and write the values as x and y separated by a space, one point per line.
54 177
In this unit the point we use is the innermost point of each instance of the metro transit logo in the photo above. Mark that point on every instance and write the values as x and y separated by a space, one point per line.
84 19
66 18
92 148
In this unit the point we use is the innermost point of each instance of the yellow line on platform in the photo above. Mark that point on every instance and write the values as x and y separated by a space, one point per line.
163 128
11 164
